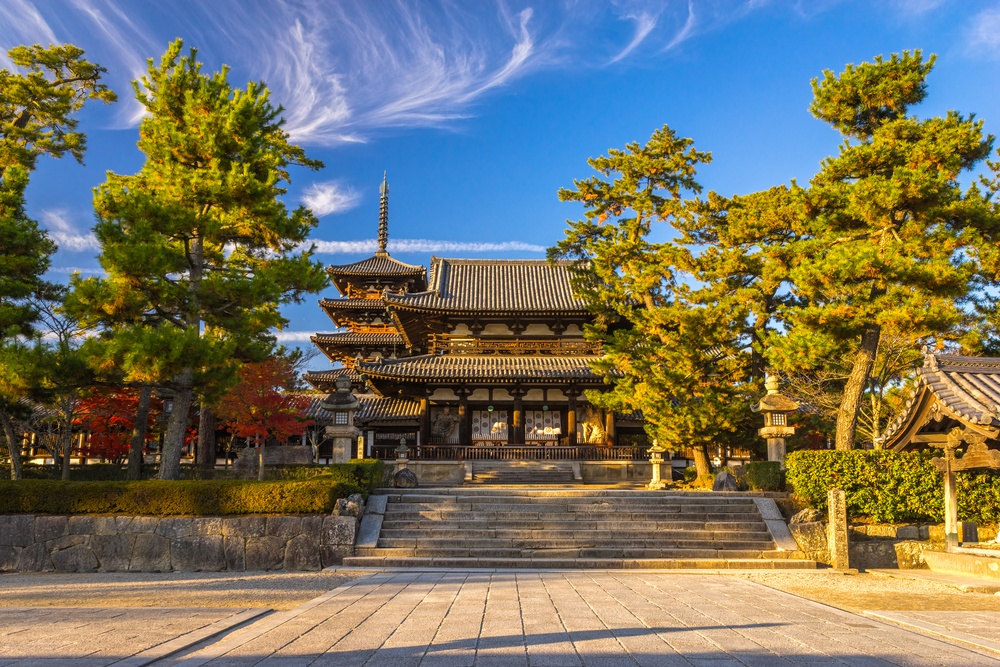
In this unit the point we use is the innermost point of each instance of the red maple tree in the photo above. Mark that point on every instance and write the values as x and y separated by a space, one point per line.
259 408
108 415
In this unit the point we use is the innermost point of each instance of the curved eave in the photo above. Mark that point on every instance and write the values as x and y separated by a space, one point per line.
485 370
392 301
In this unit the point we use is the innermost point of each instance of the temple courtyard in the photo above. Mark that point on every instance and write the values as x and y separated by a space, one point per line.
481 617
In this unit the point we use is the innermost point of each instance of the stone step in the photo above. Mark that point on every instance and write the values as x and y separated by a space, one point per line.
720 551
429 516
563 507
683 563
432 544
577 491
615 536
608 527
544 496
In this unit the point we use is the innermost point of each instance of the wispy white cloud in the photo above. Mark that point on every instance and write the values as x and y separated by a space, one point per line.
345 70
69 270
330 197
644 24
293 336
22 23
65 234
915 8
423 246
984 33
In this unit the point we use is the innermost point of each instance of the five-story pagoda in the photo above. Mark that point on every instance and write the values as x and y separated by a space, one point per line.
483 359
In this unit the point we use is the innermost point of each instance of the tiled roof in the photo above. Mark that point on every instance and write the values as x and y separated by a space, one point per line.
481 368
314 409
389 408
352 304
484 285
376 265
966 388
322 379
352 338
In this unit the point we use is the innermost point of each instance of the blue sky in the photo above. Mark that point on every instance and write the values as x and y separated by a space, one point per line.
481 110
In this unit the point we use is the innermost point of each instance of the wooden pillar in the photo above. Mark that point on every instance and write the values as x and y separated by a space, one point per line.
464 418
571 416
517 437
950 505
609 426
425 420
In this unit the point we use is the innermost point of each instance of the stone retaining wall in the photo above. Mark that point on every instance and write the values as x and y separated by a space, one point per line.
38 543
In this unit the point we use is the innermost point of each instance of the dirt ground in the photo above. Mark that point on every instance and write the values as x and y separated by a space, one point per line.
876 592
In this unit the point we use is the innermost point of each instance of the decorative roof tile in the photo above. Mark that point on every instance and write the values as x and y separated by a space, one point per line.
324 380
376 265
502 369
353 338
352 304
966 388
491 285
388 408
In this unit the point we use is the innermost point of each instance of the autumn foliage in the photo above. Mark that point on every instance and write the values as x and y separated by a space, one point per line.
259 408
108 415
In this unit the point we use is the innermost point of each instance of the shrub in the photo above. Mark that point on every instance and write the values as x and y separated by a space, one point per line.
162 498
690 474
890 486
764 476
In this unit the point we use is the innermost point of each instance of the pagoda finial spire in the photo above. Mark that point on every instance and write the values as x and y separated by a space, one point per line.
383 216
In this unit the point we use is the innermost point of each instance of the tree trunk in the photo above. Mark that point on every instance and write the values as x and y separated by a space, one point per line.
701 464
13 445
854 390
206 437
67 448
173 441
139 433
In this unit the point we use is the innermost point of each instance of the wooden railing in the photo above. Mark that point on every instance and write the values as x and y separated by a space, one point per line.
514 453
472 345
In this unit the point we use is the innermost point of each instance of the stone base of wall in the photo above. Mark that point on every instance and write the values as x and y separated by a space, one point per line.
620 471
39 543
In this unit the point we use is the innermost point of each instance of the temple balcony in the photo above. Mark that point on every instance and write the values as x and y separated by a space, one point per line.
458 344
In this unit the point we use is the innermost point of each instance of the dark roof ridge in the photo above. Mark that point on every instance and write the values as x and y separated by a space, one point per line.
949 362
499 260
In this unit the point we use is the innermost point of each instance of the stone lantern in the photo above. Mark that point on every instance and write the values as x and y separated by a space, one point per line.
776 407
342 403
655 460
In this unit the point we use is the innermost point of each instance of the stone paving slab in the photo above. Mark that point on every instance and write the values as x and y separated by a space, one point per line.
979 629
570 618
100 636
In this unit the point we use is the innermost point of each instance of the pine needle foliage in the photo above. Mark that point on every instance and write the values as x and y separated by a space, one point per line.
199 248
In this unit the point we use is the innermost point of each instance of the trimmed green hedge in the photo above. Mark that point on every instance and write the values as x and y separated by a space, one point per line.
764 476
161 498
890 486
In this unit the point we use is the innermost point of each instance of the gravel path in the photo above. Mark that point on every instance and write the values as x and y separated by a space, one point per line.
269 590
860 592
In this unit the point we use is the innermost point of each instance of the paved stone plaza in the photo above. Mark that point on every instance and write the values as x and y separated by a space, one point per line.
506 618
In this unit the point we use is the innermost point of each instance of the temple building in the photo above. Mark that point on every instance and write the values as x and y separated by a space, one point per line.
951 391
473 358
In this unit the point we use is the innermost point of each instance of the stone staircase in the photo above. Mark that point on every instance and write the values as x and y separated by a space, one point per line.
573 528
524 472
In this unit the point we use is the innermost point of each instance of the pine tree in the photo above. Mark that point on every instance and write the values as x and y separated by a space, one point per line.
198 247
663 354
37 107
887 222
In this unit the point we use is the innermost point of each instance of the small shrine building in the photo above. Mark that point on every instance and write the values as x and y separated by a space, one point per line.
951 392
471 358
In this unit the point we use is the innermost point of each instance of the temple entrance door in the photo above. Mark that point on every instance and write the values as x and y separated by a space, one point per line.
542 427
490 427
